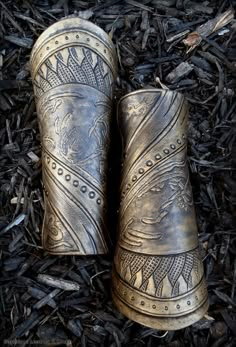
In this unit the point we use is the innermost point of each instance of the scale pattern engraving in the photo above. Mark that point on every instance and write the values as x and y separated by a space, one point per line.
153 271
66 67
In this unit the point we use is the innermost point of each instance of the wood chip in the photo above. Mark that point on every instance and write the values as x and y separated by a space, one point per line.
181 71
23 42
58 282
194 38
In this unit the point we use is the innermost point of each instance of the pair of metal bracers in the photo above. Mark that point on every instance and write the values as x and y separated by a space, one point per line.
158 277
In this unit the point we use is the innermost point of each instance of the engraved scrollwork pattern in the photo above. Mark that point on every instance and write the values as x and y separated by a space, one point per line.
158 271
73 73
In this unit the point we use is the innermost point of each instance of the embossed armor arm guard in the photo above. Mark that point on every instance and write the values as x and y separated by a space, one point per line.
158 277
73 69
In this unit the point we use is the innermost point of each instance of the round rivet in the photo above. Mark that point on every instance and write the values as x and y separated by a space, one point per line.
134 178
183 136
67 38
91 195
105 50
77 36
46 192
172 146
83 189
60 171
56 42
158 156
178 306
75 183
141 170
47 48
154 306
48 160
132 298
88 39
98 201
179 141
166 308
67 177
142 303
54 165
97 44
189 302
149 163
166 151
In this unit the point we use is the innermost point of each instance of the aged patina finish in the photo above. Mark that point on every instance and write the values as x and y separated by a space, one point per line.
158 277
73 69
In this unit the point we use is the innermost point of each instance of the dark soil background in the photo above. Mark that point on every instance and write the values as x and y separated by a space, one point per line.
149 40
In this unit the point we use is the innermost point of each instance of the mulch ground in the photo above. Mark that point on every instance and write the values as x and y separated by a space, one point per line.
155 48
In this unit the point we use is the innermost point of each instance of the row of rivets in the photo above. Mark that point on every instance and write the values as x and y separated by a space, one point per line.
132 298
83 188
77 37
149 163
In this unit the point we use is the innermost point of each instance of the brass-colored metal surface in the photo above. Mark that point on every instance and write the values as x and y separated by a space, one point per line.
158 277
73 69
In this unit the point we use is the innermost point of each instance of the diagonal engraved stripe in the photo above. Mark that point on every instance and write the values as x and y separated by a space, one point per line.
79 205
154 142
158 166
60 216
64 221
158 138
145 120
77 173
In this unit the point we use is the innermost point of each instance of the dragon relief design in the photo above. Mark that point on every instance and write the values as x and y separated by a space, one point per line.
168 192
180 194
61 133
67 137
70 143
46 109
96 139
138 109
66 67
150 274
